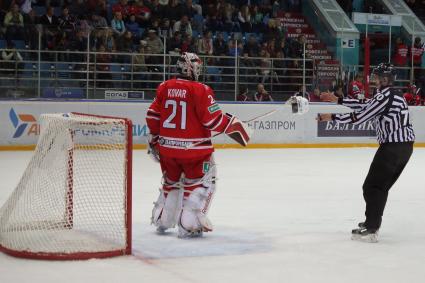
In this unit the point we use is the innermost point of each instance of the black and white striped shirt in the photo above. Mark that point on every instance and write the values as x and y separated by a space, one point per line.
390 111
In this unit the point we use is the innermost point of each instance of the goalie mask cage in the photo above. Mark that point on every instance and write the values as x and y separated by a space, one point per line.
74 198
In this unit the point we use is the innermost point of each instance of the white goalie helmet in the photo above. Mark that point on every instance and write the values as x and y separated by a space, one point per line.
299 104
189 65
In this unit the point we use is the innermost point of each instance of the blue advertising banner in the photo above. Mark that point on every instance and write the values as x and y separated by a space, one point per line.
64 93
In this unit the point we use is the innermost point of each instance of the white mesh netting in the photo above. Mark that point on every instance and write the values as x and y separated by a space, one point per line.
72 198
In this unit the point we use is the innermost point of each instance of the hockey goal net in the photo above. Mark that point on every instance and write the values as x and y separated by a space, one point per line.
74 198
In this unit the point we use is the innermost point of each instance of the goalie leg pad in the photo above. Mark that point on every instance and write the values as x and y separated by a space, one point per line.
238 131
193 218
166 209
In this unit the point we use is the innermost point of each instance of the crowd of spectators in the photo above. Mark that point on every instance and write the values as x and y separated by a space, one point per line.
187 25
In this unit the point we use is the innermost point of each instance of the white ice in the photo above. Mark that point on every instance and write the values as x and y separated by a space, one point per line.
280 216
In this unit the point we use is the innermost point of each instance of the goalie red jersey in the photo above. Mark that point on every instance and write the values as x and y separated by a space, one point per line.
185 112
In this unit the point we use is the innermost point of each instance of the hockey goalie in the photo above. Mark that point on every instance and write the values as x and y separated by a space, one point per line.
181 119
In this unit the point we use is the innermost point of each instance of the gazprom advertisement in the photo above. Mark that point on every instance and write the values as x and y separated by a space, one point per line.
19 122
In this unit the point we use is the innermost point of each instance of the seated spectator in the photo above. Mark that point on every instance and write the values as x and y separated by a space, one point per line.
412 96
244 17
227 17
97 7
189 9
155 25
315 96
12 59
205 44
248 68
197 23
189 45
252 47
356 88
183 26
141 12
166 30
257 20
14 24
139 65
284 48
175 43
219 45
78 8
243 94
103 67
108 40
98 22
67 22
173 11
280 64
262 94
117 24
156 46
233 49
31 31
212 71
157 10
83 25
154 42
213 23
274 30
125 43
266 67
50 25
132 26
122 7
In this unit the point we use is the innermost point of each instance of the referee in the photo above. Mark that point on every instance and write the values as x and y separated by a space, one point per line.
395 136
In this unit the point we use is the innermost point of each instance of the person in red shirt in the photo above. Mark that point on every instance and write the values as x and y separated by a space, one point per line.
243 94
123 7
315 96
181 119
356 88
262 94
400 58
415 53
412 96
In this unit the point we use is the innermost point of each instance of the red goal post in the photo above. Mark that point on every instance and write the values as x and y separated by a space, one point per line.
74 200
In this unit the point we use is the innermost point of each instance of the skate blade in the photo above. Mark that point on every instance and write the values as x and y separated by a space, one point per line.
371 238
197 234
162 231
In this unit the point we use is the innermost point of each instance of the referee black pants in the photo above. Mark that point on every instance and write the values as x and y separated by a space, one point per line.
386 167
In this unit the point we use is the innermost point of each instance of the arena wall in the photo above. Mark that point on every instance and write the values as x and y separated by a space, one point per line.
19 126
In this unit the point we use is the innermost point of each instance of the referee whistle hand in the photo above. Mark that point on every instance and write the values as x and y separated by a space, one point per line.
328 97
324 117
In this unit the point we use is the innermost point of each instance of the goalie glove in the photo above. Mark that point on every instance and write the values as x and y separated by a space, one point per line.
153 147
299 104
238 131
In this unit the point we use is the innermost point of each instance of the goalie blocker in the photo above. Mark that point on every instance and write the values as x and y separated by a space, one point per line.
238 131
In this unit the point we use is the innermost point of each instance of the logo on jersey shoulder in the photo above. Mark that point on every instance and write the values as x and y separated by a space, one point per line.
213 108
205 167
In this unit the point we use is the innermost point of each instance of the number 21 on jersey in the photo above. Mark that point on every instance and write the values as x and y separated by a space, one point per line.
170 122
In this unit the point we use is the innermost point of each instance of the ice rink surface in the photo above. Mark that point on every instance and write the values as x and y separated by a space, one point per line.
280 215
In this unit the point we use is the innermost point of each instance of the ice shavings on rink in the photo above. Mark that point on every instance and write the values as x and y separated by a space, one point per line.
279 216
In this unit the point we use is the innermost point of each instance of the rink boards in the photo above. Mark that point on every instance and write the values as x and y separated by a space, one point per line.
19 127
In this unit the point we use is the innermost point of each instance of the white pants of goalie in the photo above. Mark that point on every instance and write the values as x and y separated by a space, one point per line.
186 203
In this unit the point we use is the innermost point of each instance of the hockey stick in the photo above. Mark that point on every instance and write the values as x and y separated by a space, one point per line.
247 121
